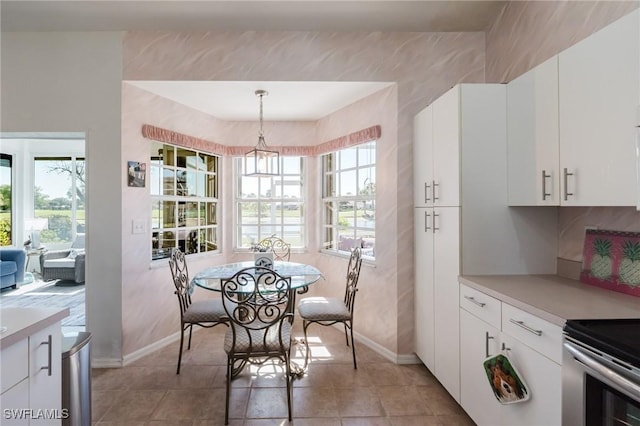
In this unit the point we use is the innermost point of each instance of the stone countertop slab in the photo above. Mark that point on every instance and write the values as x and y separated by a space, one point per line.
554 298
20 323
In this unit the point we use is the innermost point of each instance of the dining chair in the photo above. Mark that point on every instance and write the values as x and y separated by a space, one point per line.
281 249
204 313
257 302
332 310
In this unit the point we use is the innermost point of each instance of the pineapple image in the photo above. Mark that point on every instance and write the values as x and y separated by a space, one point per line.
630 264
601 264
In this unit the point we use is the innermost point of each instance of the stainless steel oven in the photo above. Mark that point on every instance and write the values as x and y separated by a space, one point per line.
601 373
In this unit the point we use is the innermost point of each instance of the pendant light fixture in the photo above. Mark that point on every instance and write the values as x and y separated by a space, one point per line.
261 161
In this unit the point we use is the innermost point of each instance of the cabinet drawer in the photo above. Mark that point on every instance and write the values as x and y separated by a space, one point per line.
14 365
479 304
538 334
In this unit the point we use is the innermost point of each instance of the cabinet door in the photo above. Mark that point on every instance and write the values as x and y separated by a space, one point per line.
446 148
544 379
45 375
446 260
423 158
478 340
424 304
598 86
14 403
532 137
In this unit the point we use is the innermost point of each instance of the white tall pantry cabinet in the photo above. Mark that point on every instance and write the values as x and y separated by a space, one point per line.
462 222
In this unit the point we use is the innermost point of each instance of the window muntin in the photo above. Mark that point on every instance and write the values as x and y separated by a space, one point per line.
270 205
348 199
184 200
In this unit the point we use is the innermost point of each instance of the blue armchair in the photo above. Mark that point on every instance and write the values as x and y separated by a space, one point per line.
12 262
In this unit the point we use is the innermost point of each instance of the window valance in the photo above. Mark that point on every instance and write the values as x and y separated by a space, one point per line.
186 141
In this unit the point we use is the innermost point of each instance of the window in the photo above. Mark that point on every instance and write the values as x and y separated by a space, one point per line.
184 200
6 191
58 199
349 197
270 205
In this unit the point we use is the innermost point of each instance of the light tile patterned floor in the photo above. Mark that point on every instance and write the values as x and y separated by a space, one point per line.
332 393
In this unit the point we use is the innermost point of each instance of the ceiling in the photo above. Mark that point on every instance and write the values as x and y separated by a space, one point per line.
290 101
286 101
221 15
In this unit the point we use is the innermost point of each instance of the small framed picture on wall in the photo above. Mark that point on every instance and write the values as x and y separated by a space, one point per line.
136 173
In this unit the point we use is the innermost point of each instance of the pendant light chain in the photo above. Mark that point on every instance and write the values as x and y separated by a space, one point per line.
261 132
261 142
261 161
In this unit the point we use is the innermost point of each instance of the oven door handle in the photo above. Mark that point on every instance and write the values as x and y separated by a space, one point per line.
601 369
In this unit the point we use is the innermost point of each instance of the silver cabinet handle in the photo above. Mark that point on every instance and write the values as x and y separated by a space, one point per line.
435 228
486 343
545 176
526 327
426 221
566 182
49 344
435 197
426 192
474 301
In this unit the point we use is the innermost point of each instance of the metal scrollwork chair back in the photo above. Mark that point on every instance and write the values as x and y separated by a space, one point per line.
281 250
329 310
257 301
204 313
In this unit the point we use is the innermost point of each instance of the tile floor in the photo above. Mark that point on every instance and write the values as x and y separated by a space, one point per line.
332 393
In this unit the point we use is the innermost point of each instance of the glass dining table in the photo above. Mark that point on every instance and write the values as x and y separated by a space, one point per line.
302 275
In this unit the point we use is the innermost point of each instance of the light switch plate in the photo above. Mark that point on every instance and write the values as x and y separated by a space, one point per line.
138 226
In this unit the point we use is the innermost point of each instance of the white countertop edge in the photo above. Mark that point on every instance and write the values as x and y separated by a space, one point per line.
23 322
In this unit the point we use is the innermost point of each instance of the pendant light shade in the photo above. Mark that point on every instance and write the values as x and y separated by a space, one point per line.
261 161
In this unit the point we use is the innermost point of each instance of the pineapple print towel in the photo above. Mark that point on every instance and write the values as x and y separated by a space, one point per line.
611 260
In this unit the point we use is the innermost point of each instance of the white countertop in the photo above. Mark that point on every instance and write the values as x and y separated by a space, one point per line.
554 298
20 323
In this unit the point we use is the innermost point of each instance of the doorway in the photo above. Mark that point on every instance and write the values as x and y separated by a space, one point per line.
43 212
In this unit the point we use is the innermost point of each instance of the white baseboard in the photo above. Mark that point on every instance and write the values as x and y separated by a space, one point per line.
132 357
391 356
106 363
149 349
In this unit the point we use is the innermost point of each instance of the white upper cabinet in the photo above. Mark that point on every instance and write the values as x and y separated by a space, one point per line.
532 134
598 97
423 158
446 148
436 151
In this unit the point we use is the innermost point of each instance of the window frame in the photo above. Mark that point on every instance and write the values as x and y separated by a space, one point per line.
9 159
301 203
330 228
204 203
77 225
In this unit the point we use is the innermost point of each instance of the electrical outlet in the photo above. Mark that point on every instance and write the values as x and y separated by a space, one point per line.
138 226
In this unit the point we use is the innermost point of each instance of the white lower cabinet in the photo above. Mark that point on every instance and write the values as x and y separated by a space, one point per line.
544 378
533 354
31 379
477 339
45 375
